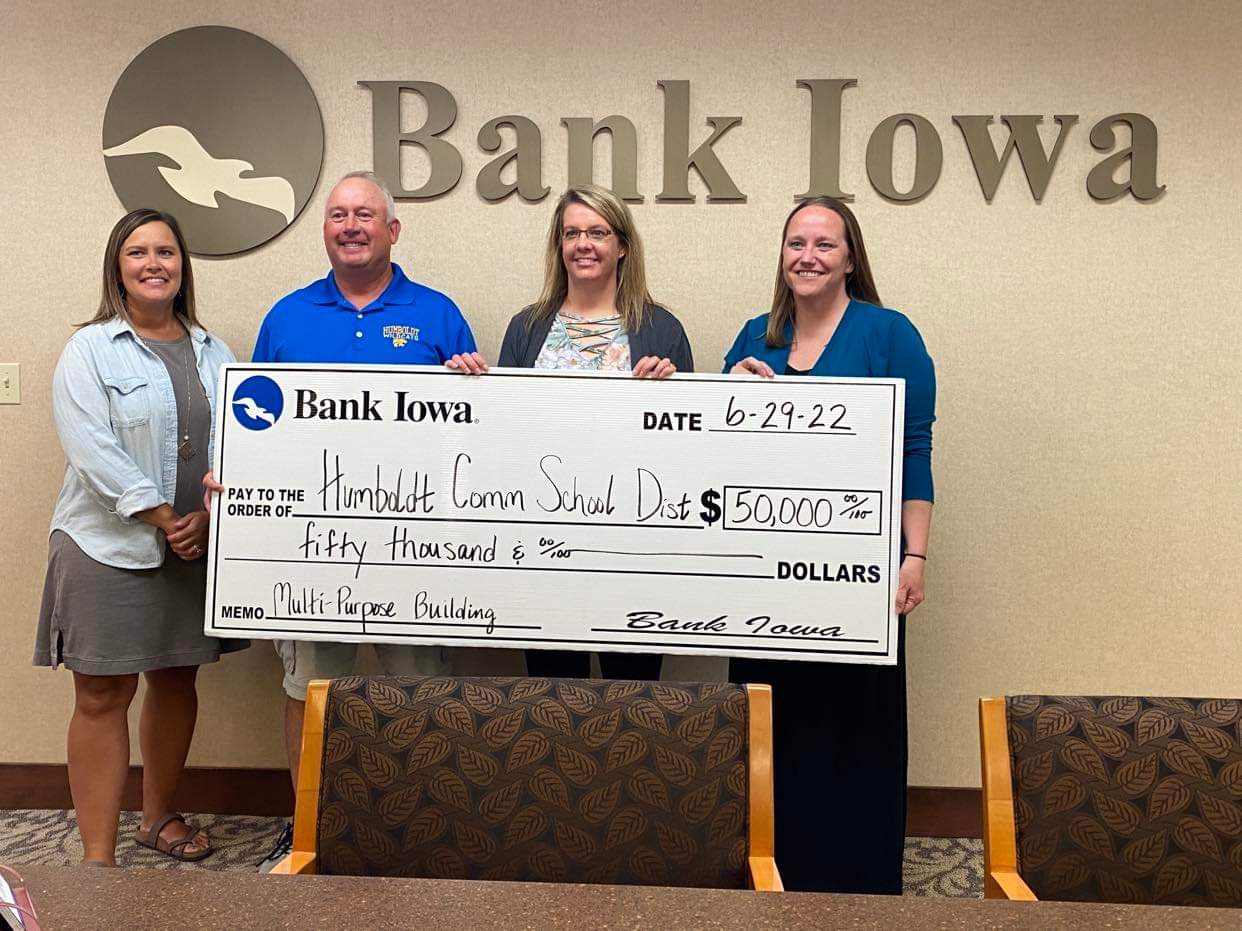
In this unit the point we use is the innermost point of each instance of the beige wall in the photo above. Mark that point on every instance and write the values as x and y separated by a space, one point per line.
1087 449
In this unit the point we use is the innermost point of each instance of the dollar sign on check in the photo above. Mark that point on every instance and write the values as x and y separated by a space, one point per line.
711 507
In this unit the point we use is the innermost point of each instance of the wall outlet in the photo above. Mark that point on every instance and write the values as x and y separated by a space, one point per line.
10 383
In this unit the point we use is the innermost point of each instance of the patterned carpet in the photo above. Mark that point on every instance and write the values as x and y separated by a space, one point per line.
935 866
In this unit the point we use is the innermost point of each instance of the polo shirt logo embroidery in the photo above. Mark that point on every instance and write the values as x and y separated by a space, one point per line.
400 335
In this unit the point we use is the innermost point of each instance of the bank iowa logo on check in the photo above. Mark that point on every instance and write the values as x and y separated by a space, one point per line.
219 128
258 403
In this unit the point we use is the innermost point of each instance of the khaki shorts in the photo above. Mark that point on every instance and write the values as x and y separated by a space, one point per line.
305 660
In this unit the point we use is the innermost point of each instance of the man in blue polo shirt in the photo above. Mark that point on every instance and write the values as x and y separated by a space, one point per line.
367 311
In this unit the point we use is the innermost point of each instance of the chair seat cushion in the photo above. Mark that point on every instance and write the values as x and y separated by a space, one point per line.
1128 799
566 780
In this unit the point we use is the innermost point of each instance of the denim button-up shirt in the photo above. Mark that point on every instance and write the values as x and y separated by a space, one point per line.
116 415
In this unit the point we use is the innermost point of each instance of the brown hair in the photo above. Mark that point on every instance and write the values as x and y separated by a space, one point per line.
859 284
112 294
633 299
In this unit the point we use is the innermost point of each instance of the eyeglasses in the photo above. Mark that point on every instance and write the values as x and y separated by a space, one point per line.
595 234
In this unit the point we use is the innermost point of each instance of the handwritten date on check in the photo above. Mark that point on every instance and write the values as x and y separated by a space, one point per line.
702 514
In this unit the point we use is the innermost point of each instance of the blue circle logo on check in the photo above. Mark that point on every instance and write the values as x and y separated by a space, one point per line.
258 402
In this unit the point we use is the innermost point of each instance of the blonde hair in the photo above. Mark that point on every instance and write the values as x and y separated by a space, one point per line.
112 293
859 284
633 298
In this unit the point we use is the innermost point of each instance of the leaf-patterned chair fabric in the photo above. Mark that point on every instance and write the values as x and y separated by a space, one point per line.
1128 799
565 780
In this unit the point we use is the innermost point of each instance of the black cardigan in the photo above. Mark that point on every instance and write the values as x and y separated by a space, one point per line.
660 335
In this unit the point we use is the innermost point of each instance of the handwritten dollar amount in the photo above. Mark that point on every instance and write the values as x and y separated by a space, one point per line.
807 510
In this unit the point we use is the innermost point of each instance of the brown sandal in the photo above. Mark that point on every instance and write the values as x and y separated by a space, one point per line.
174 849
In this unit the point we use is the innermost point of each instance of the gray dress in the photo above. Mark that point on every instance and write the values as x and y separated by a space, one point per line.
105 621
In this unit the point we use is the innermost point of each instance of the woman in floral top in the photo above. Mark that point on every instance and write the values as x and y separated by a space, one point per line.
595 314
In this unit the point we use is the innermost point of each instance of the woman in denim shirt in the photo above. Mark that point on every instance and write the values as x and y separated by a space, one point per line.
133 399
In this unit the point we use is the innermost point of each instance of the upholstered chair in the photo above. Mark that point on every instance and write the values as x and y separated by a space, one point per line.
559 780
1113 799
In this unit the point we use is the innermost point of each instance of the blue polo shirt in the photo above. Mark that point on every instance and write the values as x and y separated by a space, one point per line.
409 324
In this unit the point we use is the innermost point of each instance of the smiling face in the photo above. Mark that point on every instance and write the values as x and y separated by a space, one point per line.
357 231
589 260
150 265
816 256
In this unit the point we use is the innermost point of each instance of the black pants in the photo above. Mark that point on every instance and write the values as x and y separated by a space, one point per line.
840 768
576 664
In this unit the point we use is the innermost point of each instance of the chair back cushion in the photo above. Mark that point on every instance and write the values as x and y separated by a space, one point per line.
1128 799
561 780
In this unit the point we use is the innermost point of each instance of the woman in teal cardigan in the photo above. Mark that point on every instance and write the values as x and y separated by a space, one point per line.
840 732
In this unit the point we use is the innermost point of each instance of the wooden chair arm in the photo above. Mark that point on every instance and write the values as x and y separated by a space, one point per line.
301 861
1000 831
764 876
296 864
306 811
761 839
1011 887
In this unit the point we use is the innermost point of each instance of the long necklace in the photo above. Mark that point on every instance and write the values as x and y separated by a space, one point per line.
185 449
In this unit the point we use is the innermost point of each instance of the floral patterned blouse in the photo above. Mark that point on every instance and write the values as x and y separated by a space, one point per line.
574 342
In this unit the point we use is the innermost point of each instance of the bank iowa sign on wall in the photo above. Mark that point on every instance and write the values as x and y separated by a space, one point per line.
1123 168
232 143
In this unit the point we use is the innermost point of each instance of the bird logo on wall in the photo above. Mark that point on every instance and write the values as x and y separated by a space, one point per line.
219 128
198 176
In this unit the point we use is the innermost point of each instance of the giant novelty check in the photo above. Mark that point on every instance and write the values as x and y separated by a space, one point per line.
703 514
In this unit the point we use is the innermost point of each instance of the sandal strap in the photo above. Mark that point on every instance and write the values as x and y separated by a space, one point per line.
152 835
185 841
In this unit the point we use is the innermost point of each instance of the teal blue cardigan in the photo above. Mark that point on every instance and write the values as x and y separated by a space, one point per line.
869 342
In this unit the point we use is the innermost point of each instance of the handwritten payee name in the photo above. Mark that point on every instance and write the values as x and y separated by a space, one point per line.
559 490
